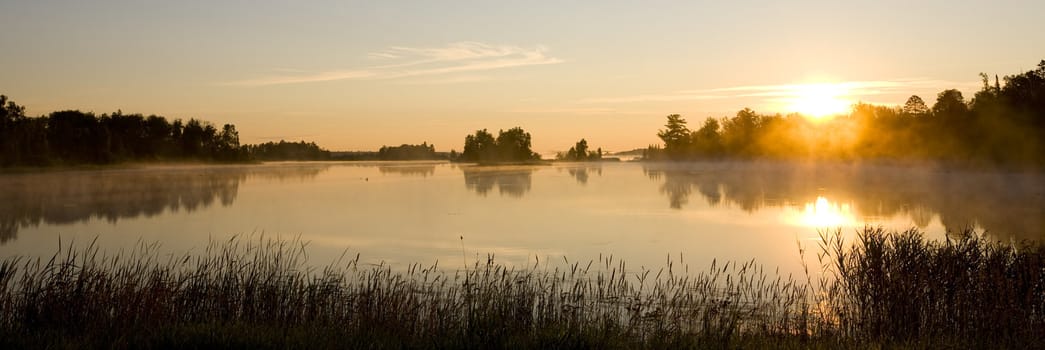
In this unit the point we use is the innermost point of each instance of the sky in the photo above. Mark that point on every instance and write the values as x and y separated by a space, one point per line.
353 75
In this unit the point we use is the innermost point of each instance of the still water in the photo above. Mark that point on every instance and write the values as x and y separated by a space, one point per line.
405 212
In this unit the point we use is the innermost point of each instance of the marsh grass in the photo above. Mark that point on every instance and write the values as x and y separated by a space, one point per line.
886 289
899 288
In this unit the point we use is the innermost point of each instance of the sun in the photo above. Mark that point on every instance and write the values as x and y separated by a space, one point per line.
818 101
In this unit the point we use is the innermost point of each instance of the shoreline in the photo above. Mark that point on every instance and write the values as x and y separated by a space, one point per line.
881 164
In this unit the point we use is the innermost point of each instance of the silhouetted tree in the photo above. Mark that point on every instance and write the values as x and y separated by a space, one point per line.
675 136
514 145
479 147
739 132
158 133
707 141
192 138
12 139
78 137
915 107
580 150
1025 96
950 106
226 146
952 115
653 152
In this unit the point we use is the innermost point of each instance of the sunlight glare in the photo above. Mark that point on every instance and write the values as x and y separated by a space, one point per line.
824 213
818 101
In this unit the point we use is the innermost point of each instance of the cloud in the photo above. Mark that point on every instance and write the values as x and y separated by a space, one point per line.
467 50
668 97
449 80
852 89
403 62
574 110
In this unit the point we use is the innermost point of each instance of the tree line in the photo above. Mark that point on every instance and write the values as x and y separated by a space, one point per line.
1004 123
75 137
423 151
284 150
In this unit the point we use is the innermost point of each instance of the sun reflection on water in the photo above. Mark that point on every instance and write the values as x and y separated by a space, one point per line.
823 213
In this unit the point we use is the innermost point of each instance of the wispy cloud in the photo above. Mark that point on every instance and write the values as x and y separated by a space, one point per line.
857 90
567 110
664 97
449 80
402 62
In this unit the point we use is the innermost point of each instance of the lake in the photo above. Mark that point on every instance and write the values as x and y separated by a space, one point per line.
404 212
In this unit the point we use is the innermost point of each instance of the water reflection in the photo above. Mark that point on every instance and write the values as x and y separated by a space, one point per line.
824 213
513 181
284 172
424 170
825 195
28 200
581 172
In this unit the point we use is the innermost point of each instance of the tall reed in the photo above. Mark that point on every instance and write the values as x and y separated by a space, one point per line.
899 288
885 289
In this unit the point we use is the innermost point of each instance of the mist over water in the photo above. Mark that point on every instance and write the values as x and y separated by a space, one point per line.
1006 204
404 212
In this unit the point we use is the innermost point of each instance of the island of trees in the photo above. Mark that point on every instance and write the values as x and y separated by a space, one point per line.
284 150
511 146
580 153
1004 123
424 151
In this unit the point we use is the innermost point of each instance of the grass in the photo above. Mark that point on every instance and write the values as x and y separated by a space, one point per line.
888 289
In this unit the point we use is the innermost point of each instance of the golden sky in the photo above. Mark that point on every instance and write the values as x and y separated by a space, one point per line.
355 76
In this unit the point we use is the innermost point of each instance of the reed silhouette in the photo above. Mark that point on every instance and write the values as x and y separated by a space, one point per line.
886 289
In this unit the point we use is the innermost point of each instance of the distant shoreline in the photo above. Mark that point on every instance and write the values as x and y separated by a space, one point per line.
888 163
